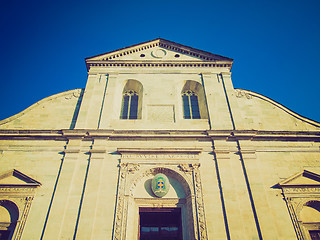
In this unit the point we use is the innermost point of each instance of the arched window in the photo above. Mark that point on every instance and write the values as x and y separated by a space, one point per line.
130 105
190 105
193 101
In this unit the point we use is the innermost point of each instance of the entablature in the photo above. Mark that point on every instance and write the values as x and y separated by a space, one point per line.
111 134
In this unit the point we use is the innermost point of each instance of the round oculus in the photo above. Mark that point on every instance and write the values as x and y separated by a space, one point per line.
160 185
158 53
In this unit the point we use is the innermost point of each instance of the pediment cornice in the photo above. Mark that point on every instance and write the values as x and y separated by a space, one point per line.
304 180
16 179
202 58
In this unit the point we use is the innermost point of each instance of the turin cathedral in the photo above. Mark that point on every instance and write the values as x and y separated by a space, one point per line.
159 145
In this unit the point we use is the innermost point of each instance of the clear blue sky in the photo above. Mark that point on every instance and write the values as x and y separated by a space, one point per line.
275 44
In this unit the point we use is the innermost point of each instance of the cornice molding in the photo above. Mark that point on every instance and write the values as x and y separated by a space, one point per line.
109 134
206 56
157 64
203 56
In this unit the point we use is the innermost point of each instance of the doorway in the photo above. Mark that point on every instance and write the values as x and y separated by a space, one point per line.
160 224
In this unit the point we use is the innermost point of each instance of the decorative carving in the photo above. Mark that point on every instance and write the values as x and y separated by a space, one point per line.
241 94
23 205
186 167
130 167
27 206
294 218
159 156
129 176
169 172
299 194
301 190
120 203
199 202
159 64
75 94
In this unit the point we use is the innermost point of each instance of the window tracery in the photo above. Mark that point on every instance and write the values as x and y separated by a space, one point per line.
129 108
190 105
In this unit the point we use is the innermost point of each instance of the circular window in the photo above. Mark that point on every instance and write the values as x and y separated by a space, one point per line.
142 55
177 55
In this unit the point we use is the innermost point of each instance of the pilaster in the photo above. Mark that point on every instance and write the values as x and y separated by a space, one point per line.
112 102
238 210
92 200
230 98
92 103
217 107
65 207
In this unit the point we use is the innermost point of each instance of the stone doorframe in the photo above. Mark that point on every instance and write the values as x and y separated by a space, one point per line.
189 177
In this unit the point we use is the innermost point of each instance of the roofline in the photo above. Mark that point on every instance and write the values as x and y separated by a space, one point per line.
282 107
161 39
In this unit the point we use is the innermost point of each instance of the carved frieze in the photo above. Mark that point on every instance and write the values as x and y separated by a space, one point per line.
16 190
309 190
159 156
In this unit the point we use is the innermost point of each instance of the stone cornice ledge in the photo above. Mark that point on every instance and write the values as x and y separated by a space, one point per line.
257 135
229 135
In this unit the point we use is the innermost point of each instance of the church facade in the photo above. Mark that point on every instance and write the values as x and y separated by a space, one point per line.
159 145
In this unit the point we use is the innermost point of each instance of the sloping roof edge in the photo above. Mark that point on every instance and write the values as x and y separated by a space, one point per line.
282 107
164 41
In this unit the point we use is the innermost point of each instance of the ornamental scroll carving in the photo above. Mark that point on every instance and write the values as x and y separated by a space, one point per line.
187 168
75 94
121 206
241 94
199 203
194 170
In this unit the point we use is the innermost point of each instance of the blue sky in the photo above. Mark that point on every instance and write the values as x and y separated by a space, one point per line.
274 44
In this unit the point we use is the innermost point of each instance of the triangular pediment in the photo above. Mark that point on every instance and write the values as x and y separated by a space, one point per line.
159 50
304 178
16 178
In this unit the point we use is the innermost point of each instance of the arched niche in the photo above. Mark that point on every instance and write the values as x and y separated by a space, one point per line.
143 189
198 90
9 215
180 186
132 88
